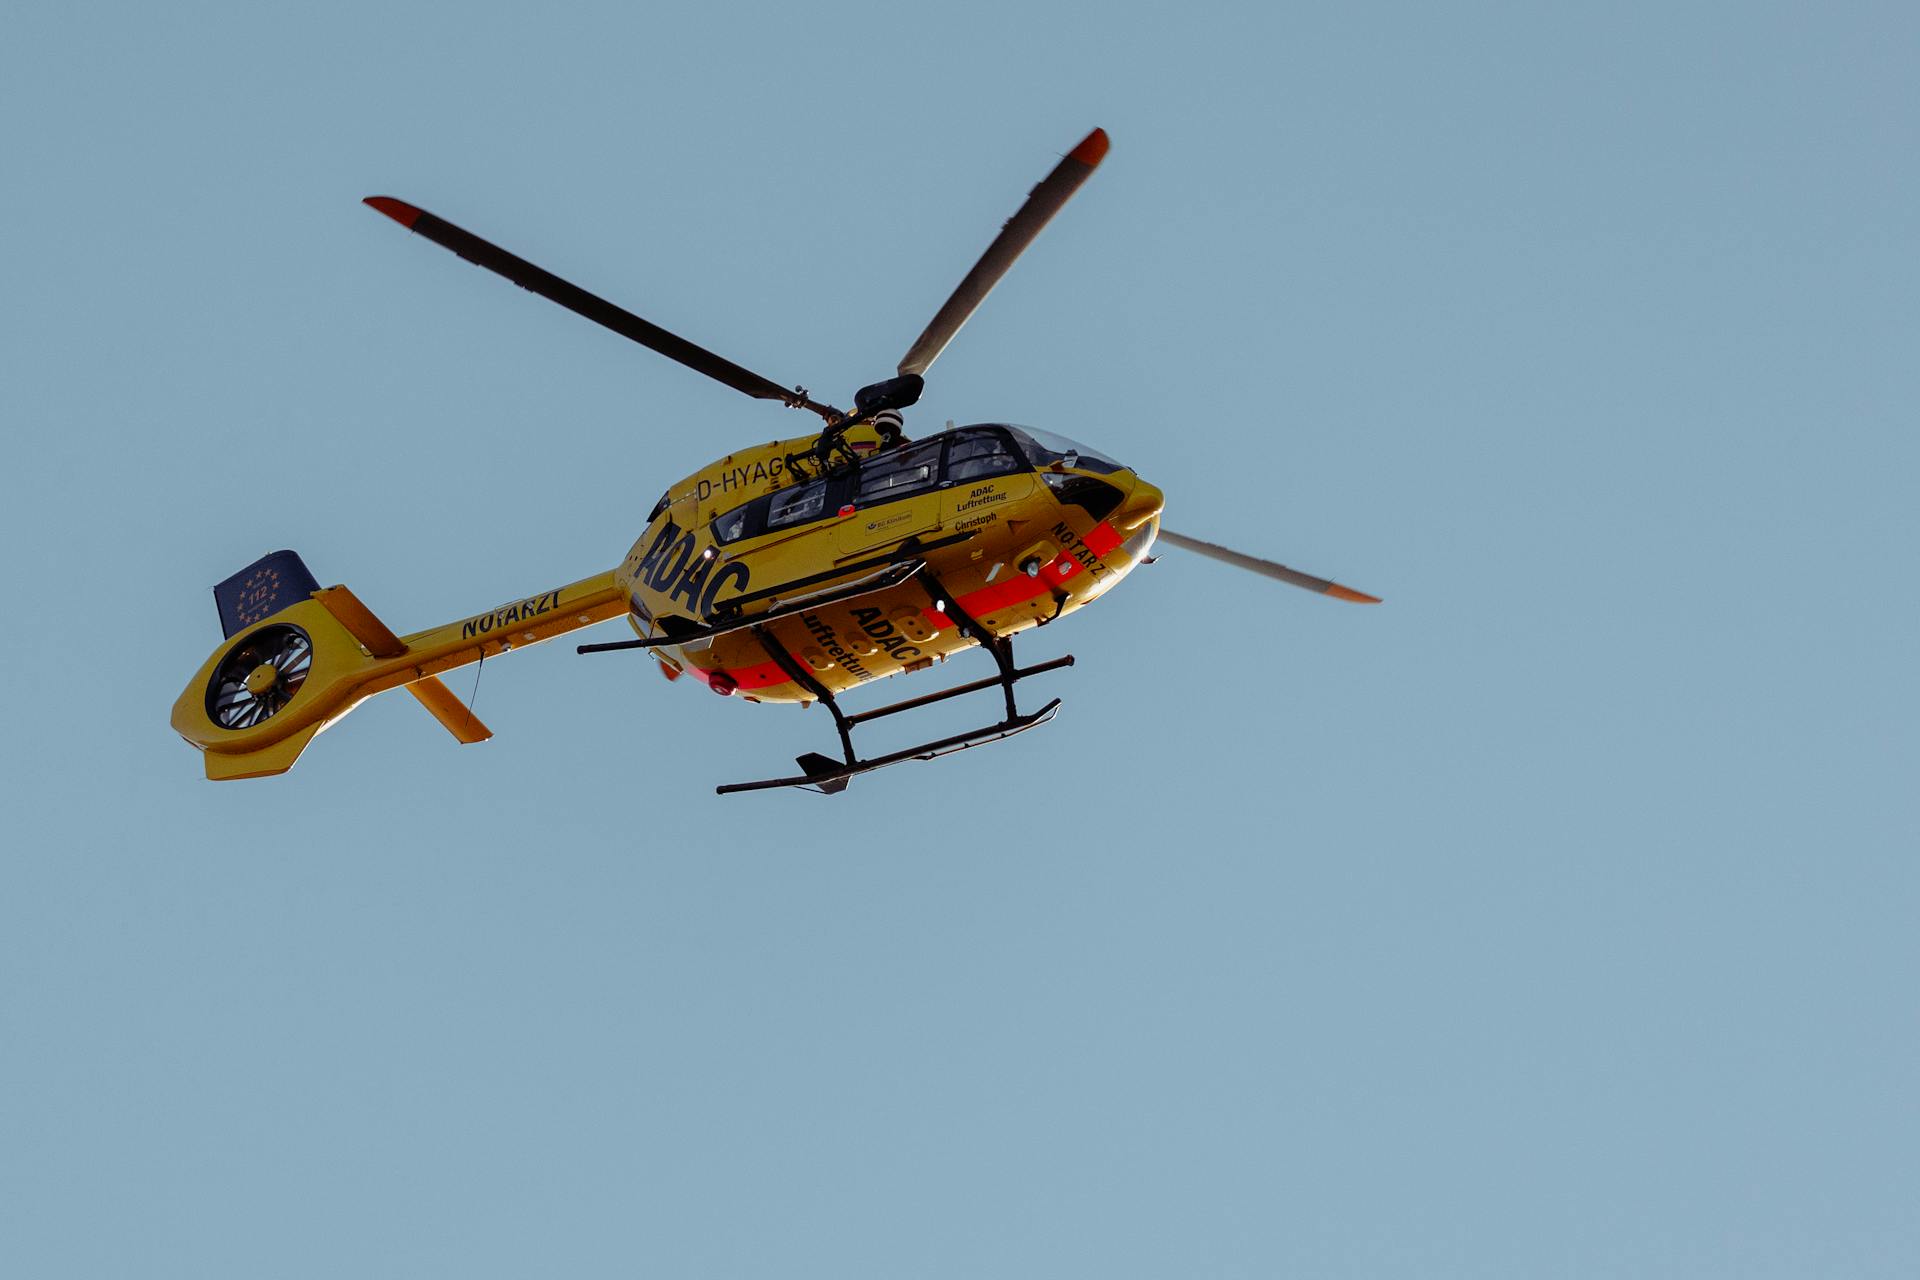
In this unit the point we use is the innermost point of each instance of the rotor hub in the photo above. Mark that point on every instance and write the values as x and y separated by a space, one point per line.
262 678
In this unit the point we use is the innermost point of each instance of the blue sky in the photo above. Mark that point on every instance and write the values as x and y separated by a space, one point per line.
1553 918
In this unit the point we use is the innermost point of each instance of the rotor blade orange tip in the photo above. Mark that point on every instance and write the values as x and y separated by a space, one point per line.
1092 149
399 210
1339 592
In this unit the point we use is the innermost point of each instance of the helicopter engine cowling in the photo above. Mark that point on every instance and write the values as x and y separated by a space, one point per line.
902 392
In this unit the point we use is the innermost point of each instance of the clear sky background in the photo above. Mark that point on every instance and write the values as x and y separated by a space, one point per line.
1555 918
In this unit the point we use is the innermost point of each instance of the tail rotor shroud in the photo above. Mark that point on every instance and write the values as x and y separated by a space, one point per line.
259 677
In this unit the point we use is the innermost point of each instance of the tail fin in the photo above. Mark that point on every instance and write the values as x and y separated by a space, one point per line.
274 582
297 657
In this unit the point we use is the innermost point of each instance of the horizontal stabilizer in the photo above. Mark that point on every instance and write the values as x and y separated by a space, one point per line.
440 701
360 622
445 706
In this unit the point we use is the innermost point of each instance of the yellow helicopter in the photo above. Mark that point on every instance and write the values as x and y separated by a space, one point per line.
792 571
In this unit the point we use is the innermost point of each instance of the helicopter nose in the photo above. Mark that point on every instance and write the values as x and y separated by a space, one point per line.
1142 504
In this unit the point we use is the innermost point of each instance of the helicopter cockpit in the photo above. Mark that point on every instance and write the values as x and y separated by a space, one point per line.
961 455
1065 466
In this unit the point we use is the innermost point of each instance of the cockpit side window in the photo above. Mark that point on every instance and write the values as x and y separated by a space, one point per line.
731 526
978 455
797 504
898 473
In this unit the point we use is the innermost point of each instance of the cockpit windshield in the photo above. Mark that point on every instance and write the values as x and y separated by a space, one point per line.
1044 449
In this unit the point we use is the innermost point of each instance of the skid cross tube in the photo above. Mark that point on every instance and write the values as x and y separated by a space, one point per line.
973 686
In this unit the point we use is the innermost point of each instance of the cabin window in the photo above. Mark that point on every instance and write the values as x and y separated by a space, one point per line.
899 473
797 505
729 527
976 457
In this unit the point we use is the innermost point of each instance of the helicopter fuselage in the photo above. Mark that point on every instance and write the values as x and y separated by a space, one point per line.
982 529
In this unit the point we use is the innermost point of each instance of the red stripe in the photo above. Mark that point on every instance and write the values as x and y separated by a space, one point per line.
760 677
1103 539
1019 589
996 596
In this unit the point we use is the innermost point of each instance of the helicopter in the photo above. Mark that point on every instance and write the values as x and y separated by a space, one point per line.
788 572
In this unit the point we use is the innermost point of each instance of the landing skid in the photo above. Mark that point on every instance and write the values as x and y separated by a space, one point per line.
830 777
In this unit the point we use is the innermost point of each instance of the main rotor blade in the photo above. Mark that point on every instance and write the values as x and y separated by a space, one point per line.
571 296
1042 203
1267 568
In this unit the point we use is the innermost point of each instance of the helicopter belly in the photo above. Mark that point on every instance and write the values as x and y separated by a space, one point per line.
832 649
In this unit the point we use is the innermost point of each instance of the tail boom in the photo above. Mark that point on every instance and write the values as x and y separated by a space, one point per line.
353 655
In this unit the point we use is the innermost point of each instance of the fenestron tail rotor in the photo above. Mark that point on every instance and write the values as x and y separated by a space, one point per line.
259 677
1266 568
483 253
